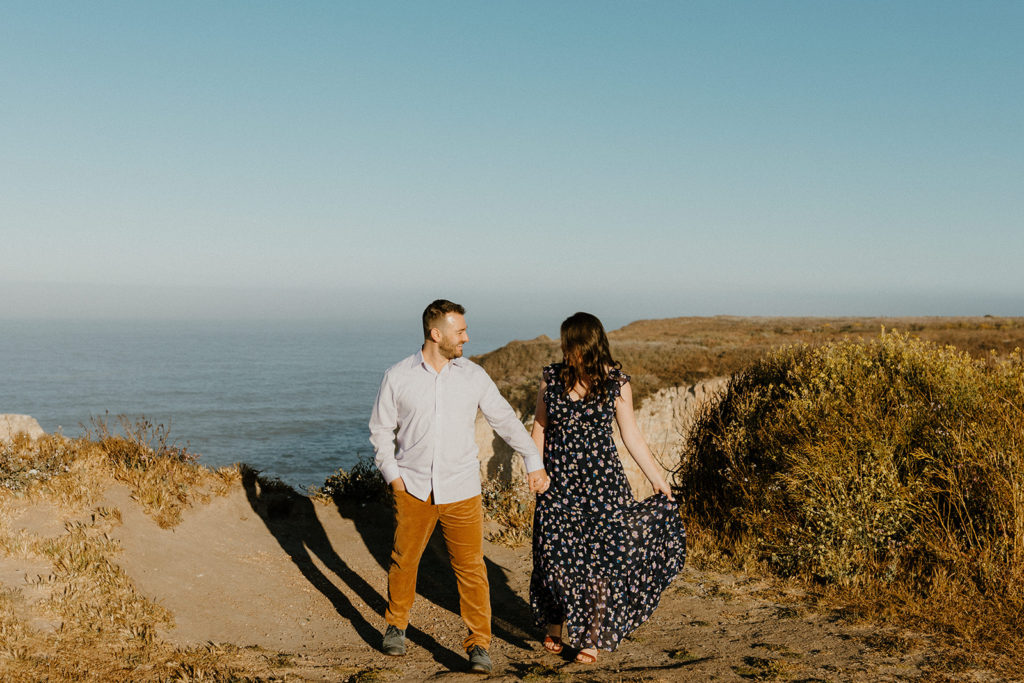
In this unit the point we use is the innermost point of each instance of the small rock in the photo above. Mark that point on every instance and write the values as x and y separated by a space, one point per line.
11 424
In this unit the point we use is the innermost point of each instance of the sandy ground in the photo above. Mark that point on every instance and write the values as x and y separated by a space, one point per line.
307 580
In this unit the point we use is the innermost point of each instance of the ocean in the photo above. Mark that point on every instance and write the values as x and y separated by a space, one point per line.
291 399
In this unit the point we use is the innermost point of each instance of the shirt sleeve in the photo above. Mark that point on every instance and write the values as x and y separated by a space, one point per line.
383 422
506 424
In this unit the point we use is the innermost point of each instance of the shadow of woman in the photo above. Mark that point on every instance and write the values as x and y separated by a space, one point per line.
511 620
290 517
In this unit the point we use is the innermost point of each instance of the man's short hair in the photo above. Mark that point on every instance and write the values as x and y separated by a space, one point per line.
435 313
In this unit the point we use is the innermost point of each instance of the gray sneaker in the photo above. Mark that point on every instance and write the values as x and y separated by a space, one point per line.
479 660
394 641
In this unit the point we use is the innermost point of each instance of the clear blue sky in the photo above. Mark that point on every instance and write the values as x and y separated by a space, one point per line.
634 159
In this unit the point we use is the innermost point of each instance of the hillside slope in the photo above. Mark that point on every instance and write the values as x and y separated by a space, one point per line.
261 582
682 351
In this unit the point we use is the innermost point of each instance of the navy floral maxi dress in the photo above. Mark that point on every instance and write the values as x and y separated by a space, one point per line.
601 559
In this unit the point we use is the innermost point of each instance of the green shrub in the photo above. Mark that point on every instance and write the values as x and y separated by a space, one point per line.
139 445
361 484
891 464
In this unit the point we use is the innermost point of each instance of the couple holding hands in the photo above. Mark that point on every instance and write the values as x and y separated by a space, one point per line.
601 559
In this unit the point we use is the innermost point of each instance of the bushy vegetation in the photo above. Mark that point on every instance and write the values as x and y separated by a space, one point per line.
891 468
360 485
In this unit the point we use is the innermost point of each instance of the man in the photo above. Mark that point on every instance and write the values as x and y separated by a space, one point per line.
431 398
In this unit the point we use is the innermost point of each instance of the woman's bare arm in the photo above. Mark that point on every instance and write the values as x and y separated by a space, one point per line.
540 420
635 443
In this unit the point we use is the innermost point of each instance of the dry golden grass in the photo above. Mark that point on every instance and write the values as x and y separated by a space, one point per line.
74 472
511 506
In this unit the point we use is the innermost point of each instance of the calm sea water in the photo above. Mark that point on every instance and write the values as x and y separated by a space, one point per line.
290 399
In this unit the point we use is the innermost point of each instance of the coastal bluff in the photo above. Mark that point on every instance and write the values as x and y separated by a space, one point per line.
664 418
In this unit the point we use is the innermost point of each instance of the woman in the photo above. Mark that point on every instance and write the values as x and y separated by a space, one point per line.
600 558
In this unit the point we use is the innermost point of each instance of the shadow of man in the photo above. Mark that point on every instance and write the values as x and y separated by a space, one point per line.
292 520
511 620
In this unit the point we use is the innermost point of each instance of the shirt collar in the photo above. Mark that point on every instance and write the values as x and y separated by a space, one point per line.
422 362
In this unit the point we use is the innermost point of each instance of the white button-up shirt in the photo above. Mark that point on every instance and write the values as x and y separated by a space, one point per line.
435 414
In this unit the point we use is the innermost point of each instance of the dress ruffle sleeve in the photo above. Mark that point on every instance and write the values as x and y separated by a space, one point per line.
551 372
616 378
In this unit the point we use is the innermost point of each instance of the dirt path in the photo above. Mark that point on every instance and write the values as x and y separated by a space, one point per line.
299 587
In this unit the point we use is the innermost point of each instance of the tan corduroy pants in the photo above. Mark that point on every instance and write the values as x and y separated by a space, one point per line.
462 524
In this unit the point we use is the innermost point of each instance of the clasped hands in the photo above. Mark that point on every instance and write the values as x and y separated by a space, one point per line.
538 480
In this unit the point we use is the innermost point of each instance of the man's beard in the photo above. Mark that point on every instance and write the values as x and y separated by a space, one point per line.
450 352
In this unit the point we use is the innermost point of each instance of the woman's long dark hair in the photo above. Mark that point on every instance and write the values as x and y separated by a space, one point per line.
586 356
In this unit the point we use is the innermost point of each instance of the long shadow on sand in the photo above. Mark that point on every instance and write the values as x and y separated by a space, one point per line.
512 619
290 517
